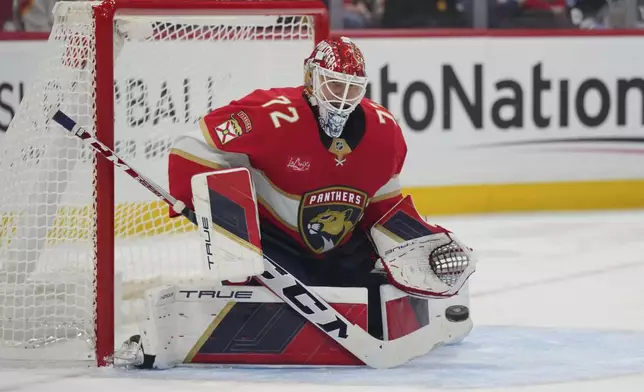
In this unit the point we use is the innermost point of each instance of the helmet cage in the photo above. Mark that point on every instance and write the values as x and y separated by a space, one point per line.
337 95
337 92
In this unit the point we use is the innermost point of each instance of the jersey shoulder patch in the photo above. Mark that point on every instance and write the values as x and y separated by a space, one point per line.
226 124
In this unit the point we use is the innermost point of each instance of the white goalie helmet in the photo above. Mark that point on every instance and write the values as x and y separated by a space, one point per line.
336 82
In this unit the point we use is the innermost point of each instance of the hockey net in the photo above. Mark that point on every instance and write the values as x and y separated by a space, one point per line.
138 74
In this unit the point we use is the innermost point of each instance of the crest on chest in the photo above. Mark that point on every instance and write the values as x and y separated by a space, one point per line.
328 215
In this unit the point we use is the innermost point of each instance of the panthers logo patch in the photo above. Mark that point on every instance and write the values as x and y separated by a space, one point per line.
328 215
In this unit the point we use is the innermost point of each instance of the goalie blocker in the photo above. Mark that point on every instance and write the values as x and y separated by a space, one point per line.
246 324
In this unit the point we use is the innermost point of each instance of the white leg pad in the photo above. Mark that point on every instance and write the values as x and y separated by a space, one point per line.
158 334
181 320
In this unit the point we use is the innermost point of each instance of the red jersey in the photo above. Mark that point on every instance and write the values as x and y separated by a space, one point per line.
314 188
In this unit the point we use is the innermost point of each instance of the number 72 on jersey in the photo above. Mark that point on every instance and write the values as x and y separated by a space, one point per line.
293 116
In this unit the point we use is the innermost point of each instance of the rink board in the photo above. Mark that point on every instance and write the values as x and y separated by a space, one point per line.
552 127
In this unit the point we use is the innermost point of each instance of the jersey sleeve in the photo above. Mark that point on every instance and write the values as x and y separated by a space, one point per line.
230 136
390 193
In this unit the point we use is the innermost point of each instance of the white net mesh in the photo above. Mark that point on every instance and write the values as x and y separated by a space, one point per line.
169 71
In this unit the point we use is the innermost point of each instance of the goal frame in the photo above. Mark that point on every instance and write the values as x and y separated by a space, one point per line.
104 14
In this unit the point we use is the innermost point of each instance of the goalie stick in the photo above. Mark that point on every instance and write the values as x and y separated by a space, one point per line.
373 352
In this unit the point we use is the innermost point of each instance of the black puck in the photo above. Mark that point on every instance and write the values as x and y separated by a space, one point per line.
457 313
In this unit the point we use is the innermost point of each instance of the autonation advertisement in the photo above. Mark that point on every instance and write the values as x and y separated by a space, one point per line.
498 110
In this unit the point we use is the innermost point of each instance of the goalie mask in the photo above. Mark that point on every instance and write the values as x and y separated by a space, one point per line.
335 82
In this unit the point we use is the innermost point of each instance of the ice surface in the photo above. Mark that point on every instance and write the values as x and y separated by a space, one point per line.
557 305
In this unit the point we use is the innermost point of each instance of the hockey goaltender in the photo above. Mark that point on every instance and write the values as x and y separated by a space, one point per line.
319 259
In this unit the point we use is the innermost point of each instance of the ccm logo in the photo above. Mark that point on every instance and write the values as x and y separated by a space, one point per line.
217 294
